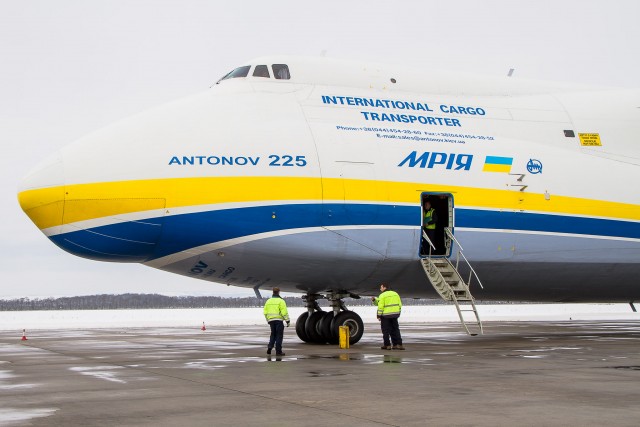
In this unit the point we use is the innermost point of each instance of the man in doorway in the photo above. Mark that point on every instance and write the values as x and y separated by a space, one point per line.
430 219
389 308
275 311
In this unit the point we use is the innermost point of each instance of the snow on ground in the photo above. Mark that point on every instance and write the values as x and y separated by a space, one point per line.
12 415
92 319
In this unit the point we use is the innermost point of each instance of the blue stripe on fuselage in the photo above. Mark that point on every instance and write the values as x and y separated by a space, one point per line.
186 231
521 221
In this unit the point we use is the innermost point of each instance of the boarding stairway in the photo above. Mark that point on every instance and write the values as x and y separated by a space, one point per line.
445 278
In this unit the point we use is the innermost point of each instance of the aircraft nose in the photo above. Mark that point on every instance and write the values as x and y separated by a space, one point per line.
41 193
102 221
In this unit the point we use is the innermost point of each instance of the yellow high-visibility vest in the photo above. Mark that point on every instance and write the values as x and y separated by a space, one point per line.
427 217
276 309
389 304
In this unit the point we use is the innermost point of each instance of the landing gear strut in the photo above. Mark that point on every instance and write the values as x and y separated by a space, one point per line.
321 327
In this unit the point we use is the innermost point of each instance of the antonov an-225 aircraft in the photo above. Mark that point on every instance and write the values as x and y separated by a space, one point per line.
312 174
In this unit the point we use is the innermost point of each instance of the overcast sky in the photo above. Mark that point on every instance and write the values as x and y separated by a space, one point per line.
70 67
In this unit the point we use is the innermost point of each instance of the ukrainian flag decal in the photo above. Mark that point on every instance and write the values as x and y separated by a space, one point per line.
497 164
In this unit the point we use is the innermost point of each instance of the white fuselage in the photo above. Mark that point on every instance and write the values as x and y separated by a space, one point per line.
315 183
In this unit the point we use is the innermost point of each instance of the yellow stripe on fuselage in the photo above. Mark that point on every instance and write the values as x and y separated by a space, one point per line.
135 196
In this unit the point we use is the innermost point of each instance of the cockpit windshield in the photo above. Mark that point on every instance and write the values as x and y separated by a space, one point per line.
238 72
280 72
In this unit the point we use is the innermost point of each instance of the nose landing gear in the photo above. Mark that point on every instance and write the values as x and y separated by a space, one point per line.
322 327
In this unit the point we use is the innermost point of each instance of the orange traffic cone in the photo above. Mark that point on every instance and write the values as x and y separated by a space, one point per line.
24 335
203 327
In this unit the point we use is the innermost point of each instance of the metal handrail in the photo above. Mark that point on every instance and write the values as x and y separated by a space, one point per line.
448 231
431 246
424 235
472 271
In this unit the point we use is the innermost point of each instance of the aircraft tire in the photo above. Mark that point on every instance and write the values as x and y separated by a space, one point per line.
353 321
311 327
325 328
302 319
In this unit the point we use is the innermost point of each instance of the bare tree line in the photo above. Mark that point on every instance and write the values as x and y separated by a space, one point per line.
142 301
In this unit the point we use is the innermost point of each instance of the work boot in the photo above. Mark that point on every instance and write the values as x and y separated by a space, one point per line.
268 351
280 354
386 347
397 347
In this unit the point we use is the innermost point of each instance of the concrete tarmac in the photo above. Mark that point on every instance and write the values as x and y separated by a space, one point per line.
518 373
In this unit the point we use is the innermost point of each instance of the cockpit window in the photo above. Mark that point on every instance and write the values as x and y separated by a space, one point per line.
238 72
261 71
281 71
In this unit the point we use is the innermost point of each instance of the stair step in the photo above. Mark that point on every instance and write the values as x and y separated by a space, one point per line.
447 281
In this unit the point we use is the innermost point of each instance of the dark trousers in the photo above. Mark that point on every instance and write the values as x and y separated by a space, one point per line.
391 328
277 334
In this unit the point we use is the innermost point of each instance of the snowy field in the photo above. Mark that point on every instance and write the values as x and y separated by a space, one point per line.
92 319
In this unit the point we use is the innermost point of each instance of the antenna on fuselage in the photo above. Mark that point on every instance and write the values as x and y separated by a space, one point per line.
510 73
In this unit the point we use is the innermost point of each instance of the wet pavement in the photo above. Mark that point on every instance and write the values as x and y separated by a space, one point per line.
526 373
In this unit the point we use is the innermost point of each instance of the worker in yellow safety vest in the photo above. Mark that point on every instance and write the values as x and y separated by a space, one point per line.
389 308
429 225
275 311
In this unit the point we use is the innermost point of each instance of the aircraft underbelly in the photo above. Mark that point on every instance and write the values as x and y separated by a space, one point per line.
539 267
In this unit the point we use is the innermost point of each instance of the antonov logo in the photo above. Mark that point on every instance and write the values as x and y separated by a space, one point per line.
429 160
534 166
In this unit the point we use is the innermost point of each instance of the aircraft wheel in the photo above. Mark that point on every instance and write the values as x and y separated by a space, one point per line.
302 319
311 327
325 328
353 321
